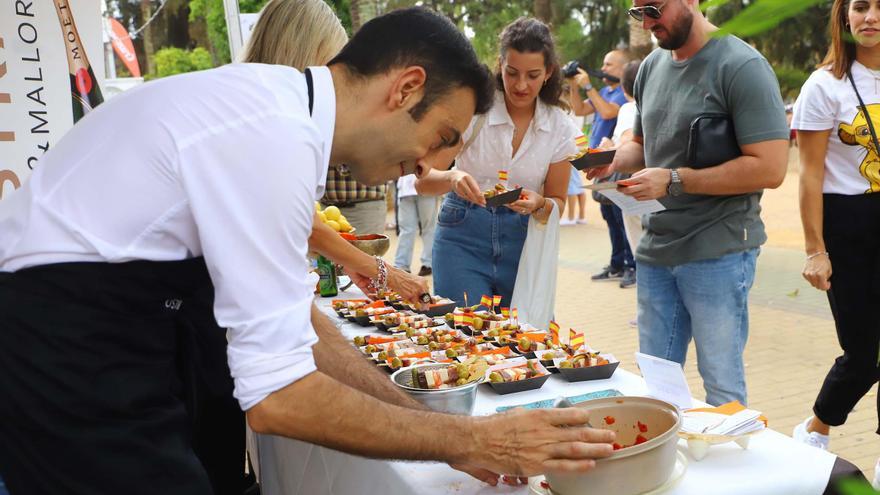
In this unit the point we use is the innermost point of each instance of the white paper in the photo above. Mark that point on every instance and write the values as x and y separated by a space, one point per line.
630 205
665 380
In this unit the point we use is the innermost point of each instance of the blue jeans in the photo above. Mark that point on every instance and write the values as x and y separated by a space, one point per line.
3 488
621 254
414 214
705 300
477 250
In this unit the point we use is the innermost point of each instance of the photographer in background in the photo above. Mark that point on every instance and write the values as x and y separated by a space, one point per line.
606 103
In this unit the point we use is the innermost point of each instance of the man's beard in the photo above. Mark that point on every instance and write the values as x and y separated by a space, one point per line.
679 33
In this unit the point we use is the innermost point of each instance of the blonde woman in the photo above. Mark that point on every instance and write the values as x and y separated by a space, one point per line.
298 33
303 33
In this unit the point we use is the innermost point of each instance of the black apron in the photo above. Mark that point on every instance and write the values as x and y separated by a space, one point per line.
102 377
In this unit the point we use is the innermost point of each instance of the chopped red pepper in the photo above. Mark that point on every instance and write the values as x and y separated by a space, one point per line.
545 485
609 420
640 439
616 446
642 427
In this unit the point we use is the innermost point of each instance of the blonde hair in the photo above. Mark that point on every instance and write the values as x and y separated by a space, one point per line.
298 33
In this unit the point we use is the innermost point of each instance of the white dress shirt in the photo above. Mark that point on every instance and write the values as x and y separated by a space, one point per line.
225 163
550 138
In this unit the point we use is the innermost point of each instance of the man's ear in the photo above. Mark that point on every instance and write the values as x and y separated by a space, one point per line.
408 84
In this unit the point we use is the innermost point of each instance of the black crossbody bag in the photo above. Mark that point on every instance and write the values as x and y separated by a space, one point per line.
712 141
864 109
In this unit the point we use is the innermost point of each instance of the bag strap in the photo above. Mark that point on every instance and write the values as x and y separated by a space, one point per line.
310 86
481 121
864 110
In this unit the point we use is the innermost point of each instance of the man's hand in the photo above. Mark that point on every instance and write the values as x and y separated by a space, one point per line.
530 202
606 144
527 443
649 183
582 79
409 286
817 271
599 172
466 186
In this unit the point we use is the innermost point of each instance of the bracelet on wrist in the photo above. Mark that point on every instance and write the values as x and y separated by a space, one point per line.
815 255
380 283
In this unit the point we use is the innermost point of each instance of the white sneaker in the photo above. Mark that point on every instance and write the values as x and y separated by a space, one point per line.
566 222
582 221
811 438
876 482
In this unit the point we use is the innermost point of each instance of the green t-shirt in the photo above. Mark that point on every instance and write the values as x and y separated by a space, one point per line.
726 76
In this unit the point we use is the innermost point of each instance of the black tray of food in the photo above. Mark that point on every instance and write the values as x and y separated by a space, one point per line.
593 160
601 372
439 309
363 321
503 388
503 198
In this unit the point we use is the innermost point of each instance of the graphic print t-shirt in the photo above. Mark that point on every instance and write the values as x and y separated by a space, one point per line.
852 165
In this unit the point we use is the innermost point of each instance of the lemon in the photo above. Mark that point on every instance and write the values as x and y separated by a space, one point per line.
332 213
333 224
344 226
322 216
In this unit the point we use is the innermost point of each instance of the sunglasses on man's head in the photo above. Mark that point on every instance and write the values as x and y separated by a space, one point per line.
652 11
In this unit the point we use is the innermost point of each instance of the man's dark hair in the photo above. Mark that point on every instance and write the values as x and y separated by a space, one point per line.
630 71
421 37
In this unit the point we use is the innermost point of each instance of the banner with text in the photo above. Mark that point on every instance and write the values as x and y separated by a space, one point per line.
51 70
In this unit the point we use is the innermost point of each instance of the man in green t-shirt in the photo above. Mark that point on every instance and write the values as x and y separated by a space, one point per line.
697 257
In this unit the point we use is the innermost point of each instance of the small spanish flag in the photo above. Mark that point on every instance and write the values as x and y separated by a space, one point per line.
467 320
505 312
502 175
513 313
554 331
486 301
458 319
576 340
581 141
496 301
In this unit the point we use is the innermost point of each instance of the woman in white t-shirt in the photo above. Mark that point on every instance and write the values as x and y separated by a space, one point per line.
477 249
840 172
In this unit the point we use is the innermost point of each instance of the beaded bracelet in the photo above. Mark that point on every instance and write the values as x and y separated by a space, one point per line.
820 253
380 283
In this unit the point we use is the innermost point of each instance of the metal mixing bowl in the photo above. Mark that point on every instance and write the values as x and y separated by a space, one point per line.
372 244
457 400
632 470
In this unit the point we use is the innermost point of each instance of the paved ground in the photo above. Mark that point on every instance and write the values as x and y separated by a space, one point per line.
792 341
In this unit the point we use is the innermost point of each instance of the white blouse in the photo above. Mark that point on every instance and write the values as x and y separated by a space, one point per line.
550 138
224 163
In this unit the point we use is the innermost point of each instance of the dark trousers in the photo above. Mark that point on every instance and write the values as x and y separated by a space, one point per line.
852 236
114 380
621 254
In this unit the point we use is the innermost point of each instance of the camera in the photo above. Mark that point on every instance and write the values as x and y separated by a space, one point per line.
571 69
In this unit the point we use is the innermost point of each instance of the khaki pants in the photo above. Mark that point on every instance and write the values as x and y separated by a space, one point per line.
367 217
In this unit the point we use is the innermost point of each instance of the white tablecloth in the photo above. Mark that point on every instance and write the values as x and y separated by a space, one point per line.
773 464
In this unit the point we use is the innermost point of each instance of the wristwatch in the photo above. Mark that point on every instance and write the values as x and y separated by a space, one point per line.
588 87
675 187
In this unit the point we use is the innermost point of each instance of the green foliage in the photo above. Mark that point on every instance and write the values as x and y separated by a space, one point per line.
851 486
214 16
172 60
763 15
790 81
